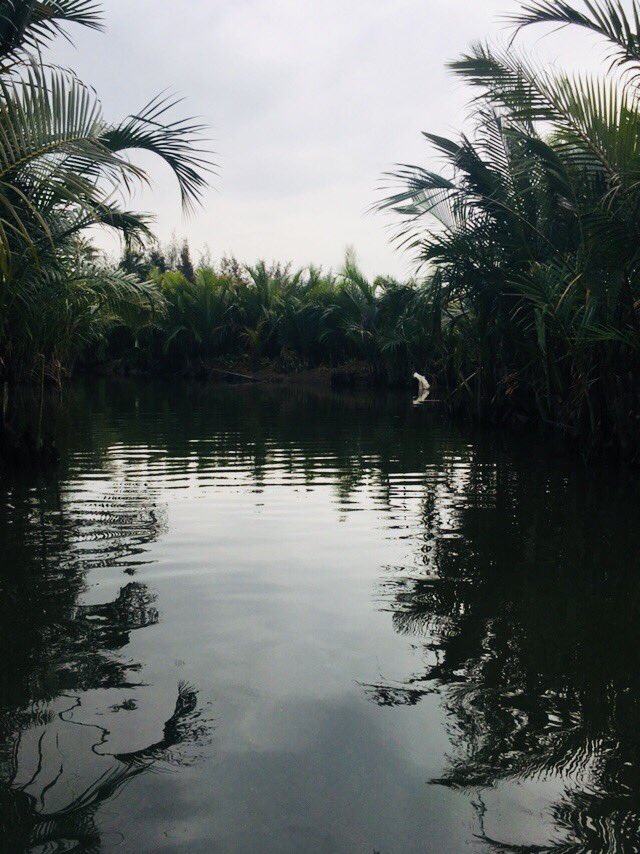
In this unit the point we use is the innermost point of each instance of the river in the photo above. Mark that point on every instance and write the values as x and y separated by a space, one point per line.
258 619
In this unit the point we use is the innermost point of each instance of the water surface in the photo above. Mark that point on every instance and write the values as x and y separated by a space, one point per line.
243 619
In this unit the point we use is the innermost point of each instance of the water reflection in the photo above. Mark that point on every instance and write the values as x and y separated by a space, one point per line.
526 609
27 824
260 534
55 767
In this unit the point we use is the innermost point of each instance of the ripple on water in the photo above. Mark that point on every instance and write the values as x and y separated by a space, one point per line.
309 606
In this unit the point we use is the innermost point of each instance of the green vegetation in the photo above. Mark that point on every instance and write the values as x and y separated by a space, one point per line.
527 241
272 317
63 167
532 230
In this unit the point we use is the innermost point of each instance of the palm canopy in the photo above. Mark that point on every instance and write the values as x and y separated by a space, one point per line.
63 166
533 225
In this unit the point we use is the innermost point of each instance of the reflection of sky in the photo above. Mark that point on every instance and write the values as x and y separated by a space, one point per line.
276 624
269 604
333 777
275 555
266 605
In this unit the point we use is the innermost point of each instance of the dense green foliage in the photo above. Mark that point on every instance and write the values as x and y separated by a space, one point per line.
527 240
62 168
533 230
272 316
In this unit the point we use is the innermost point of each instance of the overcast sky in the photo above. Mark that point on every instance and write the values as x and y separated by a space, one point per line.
309 102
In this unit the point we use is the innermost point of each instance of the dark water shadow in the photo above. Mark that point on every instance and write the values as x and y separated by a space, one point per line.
527 611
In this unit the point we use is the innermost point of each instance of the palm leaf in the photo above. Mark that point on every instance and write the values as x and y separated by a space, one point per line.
30 24
174 141
608 18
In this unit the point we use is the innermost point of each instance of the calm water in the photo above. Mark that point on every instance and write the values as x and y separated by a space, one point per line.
251 620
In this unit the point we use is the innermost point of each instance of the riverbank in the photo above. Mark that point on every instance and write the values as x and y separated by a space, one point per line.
27 437
351 374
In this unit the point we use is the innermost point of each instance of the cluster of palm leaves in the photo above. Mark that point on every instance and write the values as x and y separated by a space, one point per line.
531 232
271 315
63 169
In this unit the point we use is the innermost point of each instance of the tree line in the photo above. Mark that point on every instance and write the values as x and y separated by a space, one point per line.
526 301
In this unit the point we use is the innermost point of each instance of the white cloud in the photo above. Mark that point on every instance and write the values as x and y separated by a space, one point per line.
309 101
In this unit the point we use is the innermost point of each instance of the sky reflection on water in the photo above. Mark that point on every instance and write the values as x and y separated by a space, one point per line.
277 620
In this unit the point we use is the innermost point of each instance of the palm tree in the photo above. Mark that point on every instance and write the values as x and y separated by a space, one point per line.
61 166
533 230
